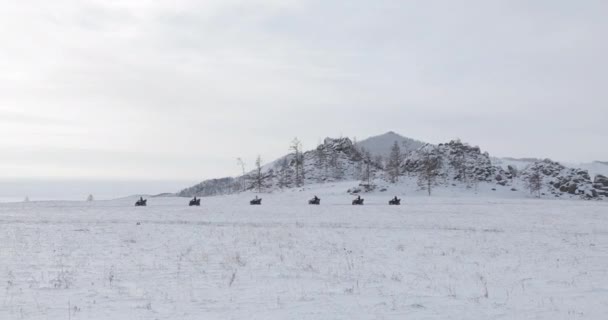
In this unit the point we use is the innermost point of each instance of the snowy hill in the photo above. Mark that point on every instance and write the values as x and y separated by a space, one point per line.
454 165
382 144
334 160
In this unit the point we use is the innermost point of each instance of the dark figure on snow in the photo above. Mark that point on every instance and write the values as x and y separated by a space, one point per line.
256 201
395 201
358 201
141 202
315 200
195 202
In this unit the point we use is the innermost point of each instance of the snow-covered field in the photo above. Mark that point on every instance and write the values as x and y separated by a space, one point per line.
431 258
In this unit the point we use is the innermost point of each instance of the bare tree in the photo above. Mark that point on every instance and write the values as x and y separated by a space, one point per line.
296 147
379 161
394 163
534 182
368 171
429 170
284 174
358 151
336 166
513 171
321 163
241 164
359 163
459 164
259 178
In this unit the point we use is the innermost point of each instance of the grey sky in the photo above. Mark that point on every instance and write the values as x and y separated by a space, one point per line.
175 89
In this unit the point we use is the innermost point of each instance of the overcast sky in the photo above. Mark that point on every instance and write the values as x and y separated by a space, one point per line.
178 89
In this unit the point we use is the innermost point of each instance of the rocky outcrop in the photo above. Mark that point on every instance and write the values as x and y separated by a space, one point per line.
562 181
459 162
600 183
341 160
601 180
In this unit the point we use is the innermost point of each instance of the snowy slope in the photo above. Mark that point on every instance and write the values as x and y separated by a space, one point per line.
431 258
459 164
334 160
519 164
594 168
382 144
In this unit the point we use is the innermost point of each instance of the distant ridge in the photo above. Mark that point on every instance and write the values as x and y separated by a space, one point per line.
522 159
382 144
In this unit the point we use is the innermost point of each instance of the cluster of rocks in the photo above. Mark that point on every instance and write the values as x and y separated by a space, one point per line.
505 177
458 162
340 145
333 160
363 187
600 184
561 180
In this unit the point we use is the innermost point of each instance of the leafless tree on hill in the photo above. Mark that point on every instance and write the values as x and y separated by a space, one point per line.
429 170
